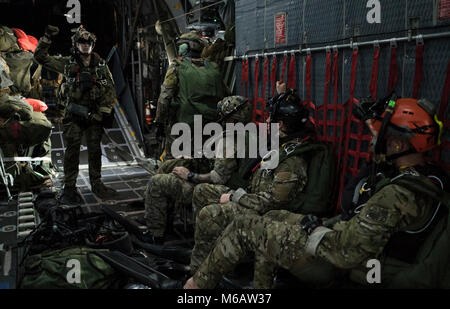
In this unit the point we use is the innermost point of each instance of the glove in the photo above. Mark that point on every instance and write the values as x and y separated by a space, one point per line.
51 31
309 223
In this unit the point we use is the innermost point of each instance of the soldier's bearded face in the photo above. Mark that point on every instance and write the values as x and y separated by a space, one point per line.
85 48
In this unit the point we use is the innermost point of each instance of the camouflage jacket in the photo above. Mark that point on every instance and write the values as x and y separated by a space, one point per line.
102 95
390 210
277 188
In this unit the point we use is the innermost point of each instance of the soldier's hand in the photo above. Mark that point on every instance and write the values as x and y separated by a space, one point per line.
158 27
51 31
281 87
225 198
181 172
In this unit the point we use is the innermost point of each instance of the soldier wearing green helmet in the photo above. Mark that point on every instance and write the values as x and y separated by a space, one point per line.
192 86
90 96
167 192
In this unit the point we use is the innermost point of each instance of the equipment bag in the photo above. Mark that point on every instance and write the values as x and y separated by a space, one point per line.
8 41
316 196
57 269
20 65
22 126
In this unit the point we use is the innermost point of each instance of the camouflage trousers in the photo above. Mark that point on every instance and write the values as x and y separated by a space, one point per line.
164 196
211 219
276 239
73 133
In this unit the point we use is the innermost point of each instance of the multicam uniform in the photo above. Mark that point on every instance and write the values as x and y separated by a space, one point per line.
97 94
268 190
166 192
278 238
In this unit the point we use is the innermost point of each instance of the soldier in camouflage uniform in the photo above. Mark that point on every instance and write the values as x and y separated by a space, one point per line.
166 192
191 86
268 190
295 242
90 95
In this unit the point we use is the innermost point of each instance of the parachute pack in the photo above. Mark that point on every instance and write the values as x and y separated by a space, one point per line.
22 125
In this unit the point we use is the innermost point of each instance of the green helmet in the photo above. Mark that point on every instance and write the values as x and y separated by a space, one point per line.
191 43
235 108
81 34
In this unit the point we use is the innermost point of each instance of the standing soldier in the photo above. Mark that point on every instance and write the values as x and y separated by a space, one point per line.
191 86
90 96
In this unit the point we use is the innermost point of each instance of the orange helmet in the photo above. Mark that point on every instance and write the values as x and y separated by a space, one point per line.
411 118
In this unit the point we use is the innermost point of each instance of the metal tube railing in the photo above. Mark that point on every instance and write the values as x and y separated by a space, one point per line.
352 45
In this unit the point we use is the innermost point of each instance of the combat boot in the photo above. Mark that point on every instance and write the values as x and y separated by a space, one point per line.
103 192
70 196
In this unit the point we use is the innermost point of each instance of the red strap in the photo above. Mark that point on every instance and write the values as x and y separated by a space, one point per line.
308 78
348 124
335 77
374 79
283 68
353 75
273 77
327 78
244 79
441 114
418 75
325 96
291 72
266 79
393 70
256 86
445 94
266 75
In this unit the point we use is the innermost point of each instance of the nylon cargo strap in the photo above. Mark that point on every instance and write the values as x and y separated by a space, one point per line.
291 72
349 121
335 122
324 122
260 102
308 104
374 75
418 75
244 81
283 68
393 69
445 144
273 77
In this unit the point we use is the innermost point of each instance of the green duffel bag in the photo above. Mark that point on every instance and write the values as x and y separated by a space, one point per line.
70 268
21 125
8 40
20 71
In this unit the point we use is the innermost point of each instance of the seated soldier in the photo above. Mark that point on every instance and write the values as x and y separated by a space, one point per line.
278 188
165 192
398 212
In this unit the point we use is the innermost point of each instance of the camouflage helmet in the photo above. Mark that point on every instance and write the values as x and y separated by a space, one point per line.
235 108
82 34
193 40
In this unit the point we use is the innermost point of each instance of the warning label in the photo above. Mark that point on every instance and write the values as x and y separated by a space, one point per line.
444 9
280 28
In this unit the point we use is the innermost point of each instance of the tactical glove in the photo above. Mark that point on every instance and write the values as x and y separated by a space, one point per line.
309 223
51 31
